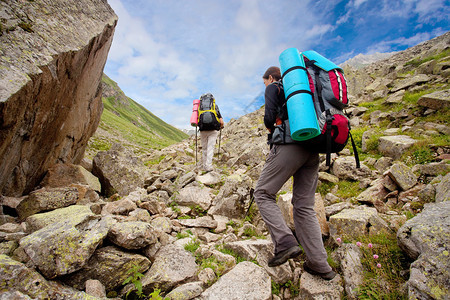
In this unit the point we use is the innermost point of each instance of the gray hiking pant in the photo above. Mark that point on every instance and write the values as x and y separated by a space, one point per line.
208 138
283 162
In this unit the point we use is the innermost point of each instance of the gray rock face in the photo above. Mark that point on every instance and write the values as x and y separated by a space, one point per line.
194 195
50 95
352 268
172 266
345 168
394 146
119 171
354 222
436 100
443 189
410 81
73 212
186 291
236 284
313 287
110 265
132 235
64 247
403 176
232 197
45 200
426 238
21 282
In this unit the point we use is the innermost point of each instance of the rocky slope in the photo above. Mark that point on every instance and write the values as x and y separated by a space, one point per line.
361 60
153 224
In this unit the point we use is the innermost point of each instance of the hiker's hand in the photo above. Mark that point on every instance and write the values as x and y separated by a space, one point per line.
221 123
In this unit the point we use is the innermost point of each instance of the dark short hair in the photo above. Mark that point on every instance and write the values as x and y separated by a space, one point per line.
274 71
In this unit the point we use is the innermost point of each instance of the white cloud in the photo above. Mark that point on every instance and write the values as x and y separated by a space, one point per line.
386 46
429 10
318 30
357 3
141 57
166 53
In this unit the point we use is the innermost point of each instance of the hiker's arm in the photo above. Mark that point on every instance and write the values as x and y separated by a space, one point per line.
218 112
219 116
270 110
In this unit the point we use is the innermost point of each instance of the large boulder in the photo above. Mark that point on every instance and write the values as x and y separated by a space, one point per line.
62 175
394 146
437 100
236 284
19 282
64 247
132 235
72 212
426 238
357 222
232 197
46 199
50 95
119 171
111 266
173 265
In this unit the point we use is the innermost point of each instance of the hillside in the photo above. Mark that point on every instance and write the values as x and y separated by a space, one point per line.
146 223
127 122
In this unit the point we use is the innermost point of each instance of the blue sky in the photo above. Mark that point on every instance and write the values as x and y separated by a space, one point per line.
166 53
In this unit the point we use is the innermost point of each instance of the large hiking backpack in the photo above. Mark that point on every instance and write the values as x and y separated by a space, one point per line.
329 93
207 114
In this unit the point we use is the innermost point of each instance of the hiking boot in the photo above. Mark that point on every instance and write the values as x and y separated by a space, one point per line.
327 276
282 257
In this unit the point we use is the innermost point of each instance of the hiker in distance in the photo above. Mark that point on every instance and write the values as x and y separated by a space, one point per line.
288 159
209 123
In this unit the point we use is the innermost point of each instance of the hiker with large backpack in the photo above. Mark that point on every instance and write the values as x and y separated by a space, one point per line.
288 158
209 123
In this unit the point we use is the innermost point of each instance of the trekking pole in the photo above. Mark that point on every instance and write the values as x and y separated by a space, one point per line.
251 202
220 137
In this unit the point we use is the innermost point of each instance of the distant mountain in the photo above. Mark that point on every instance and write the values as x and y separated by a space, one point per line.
361 60
129 123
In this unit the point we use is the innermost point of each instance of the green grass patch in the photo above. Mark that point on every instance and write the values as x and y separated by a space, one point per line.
420 152
126 119
383 274
348 189
293 289
192 246
324 188
99 144
224 250
417 62
154 161
372 106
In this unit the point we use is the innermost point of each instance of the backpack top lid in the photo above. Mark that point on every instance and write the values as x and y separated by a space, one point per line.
207 101
320 61
206 96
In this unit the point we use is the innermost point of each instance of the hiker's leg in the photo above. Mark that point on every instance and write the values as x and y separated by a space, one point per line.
307 228
280 165
204 137
210 149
